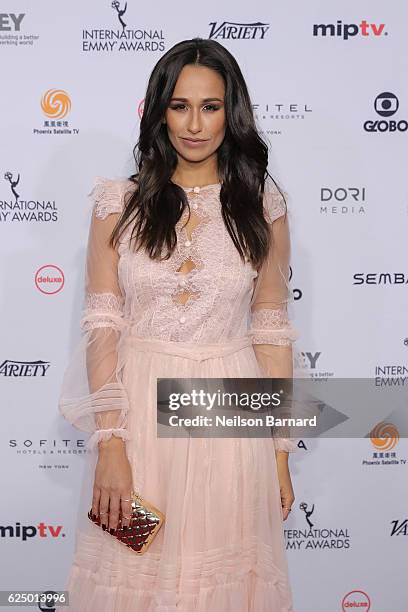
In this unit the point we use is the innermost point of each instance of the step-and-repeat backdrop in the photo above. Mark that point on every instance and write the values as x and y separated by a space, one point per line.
330 94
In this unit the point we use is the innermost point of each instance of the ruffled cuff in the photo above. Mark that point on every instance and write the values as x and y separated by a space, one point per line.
106 434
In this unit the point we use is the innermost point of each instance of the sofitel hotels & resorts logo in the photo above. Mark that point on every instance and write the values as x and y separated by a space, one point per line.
122 37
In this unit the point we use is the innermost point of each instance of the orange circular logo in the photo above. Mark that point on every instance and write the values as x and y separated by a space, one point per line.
56 103
384 436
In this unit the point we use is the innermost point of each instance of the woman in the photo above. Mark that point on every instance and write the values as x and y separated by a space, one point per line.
170 294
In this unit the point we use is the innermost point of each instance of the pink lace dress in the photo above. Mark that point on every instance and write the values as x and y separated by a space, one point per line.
202 313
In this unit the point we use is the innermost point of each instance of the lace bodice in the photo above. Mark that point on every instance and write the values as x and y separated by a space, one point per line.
204 293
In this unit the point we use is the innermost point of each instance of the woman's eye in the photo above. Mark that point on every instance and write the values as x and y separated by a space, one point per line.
212 107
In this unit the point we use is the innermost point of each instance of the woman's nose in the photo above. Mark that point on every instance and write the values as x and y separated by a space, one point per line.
194 121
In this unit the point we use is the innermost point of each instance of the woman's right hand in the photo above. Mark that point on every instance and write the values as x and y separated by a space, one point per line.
113 484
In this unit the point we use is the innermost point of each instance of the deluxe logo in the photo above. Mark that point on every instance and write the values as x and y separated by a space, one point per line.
356 599
56 105
10 31
49 279
23 369
343 200
386 105
123 38
349 30
27 532
19 210
230 30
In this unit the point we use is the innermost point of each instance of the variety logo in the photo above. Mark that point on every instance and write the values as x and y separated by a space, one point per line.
399 528
11 33
349 30
56 105
23 369
342 200
27 532
312 538
18 210
49 279
384 437
230 30
122 39
380 278
356 599
386 105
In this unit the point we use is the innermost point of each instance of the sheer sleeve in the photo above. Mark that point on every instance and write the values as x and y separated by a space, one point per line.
93 397
271 329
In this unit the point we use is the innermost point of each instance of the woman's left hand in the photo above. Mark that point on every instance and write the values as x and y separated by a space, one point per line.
285 483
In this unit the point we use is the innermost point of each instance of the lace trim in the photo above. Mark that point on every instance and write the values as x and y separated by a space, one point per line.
106 196
274 205
272 326
104 301
102 310
267 318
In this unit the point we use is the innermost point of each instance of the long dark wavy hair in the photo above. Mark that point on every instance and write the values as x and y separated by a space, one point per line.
156 204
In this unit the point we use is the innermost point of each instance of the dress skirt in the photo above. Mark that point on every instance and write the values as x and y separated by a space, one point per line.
221 548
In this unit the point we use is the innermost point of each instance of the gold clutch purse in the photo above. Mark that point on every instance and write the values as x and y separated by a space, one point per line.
144 524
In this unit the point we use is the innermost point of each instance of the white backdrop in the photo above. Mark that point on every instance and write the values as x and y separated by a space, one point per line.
347 196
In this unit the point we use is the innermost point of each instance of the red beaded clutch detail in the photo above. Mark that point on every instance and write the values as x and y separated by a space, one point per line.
144 524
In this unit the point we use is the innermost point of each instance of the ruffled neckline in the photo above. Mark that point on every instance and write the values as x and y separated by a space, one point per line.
199 188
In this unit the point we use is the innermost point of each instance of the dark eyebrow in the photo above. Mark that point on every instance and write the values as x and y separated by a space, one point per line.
203 100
